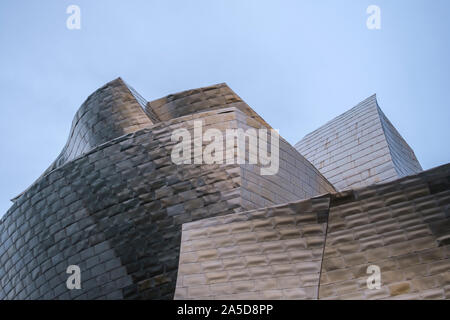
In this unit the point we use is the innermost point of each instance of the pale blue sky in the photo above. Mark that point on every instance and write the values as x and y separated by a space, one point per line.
297 63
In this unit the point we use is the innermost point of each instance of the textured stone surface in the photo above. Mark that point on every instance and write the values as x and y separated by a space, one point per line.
359 148
403 227
113 202
270 253
321 248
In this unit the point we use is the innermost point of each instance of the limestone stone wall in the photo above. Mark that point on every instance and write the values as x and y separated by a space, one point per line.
321 248
403 227
270 253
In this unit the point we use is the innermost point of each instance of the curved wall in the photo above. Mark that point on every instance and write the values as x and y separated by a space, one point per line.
108 113
113 202
116 212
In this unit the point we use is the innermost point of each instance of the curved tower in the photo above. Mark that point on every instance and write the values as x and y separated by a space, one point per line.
113 202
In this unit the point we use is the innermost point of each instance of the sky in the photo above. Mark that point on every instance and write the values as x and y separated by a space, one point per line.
296 63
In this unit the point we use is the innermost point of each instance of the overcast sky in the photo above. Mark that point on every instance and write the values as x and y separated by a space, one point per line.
297 63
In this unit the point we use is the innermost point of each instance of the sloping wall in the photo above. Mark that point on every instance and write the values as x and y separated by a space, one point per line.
402 155
359 148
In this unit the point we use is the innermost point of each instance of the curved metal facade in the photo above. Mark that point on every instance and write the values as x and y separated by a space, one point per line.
113 202
140 226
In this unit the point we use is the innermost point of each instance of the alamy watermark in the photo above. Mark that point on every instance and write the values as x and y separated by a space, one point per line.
374 20
74 280
374 280
223 149
73 22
